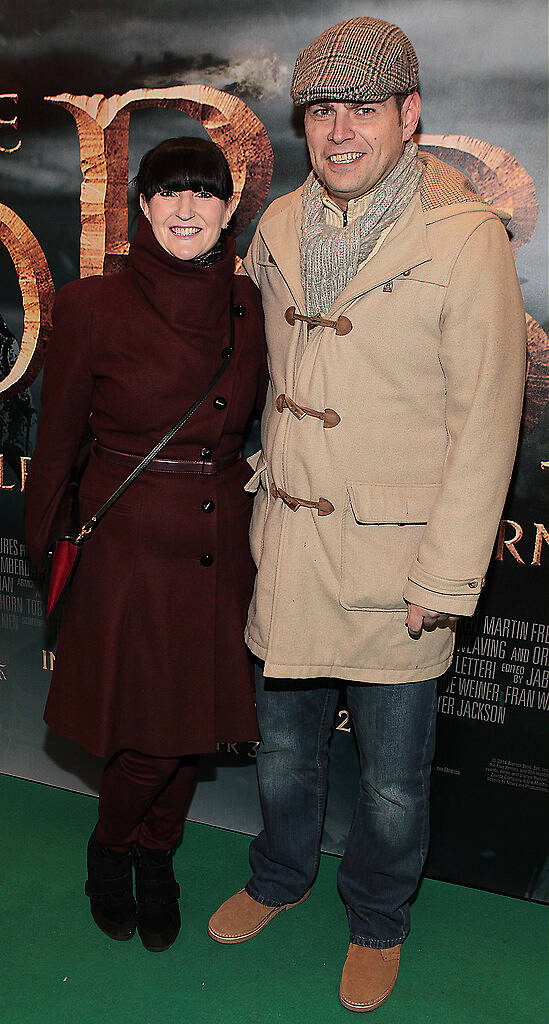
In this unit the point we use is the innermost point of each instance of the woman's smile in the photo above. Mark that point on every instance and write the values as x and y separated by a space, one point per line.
179 230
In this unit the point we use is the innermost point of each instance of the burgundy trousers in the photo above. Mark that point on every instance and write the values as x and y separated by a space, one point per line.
144 800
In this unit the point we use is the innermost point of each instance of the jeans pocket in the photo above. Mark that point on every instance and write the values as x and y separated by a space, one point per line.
381 532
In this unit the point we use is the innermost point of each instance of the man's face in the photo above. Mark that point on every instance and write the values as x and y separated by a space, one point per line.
354 146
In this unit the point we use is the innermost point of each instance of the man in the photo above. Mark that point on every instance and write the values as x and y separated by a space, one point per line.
396 335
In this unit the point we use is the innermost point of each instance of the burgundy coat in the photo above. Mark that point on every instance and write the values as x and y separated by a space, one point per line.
151 652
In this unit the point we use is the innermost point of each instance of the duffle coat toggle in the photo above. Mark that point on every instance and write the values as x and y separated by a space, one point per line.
323 506
341 326
329 417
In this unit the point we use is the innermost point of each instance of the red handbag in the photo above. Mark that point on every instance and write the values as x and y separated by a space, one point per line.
63 556
64 559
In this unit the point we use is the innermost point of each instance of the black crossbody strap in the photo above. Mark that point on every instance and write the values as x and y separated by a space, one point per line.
227 354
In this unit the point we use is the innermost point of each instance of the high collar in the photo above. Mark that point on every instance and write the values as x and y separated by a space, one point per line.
355 208
183 293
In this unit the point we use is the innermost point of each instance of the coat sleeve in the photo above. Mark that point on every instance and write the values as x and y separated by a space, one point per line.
66 400
250 260
249 264
482 355
262 371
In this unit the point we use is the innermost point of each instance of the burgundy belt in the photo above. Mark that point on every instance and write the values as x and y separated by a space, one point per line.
199 466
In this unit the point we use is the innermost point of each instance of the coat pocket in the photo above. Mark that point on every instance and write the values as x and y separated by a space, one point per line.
257 484
381 532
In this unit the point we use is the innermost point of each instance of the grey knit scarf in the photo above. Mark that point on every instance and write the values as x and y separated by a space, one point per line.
330 255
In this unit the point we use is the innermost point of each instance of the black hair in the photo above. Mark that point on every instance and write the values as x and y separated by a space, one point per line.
184 163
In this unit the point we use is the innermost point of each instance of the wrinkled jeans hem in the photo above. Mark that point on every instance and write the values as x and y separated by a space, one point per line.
270 903
361 940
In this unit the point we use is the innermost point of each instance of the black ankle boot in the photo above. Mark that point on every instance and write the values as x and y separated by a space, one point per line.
157 892
110 889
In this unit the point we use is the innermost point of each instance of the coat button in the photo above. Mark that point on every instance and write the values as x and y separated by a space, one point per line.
239 311
226 353
208 505
219 402
343 325
206 559
206 454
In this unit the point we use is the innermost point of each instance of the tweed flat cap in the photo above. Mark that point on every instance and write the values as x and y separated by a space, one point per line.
356 60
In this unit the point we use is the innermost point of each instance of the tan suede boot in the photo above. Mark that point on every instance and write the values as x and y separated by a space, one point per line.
369 977
241 918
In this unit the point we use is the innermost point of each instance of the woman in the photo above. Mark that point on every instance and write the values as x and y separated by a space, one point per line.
151 668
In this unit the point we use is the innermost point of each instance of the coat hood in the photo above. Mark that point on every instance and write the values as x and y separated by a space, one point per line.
446 192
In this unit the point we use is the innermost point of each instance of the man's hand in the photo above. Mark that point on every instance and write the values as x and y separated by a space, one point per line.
419 618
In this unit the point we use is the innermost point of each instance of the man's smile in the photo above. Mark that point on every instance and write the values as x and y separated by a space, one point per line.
344 158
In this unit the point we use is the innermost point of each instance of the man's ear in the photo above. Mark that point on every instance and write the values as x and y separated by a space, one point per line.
409 115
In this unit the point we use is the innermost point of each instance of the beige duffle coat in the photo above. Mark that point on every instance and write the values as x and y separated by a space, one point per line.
411 465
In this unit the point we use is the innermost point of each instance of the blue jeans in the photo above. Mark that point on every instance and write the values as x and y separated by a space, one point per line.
387 844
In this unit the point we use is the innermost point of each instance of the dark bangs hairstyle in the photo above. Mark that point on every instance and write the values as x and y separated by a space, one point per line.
183 164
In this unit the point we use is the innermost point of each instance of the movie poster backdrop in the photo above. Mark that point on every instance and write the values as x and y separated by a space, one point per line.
83 93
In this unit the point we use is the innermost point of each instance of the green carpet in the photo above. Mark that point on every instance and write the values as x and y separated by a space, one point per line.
472 957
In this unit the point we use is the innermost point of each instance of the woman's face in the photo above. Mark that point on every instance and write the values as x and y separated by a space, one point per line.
186 224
